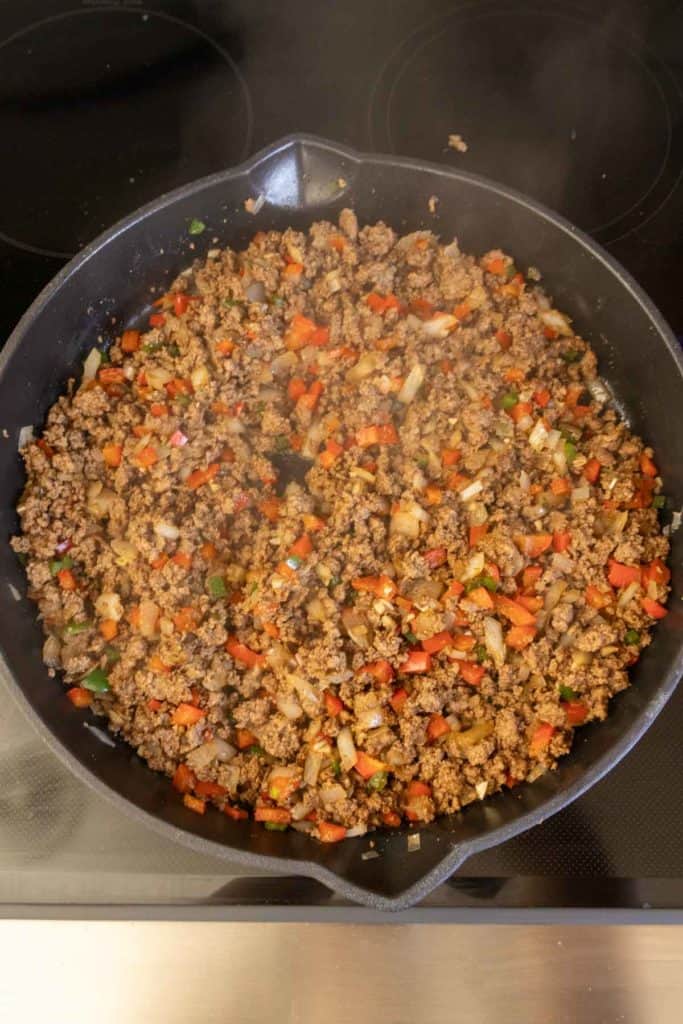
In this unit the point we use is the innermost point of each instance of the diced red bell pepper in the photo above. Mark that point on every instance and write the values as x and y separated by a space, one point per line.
278 815
656 572
435 557
193 803
329 456
576 712
471 672
653 608
390 819
520 637
381 671
79 696
591 471
379 433
187 714
244 739
530 575
398 699
299 332
620 575
481 597
302 547
533 544
240 652
436 643
449 456
333 705
381 586
438 726
418 788
561 540
296 388
542 397
367 766
476 533
236 813
541 738
209 788
329 832
417 661
514 611
184 779
647 466
455 589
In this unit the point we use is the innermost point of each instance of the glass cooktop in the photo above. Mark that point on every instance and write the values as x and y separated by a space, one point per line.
107 105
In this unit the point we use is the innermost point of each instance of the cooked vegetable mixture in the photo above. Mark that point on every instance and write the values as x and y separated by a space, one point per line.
350 536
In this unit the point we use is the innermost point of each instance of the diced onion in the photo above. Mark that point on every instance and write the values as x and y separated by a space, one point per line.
108 606
312 764
125 551
553 594
91 365
199 377
474 567
356 831
333 793
289 706
370 718
366 365
362 474
582 493
538 436
440 325
224 750
25 437
557 321
598 391
411 384
356 625
157 376
149 617
562 562
524 480
493 638
347 749
471 491
307 692
627 594
283 363
480 789
300 810
316 610
51 649
255 291
166 530
560 461
405 524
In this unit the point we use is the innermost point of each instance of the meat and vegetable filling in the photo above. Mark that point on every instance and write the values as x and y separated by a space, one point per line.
350 536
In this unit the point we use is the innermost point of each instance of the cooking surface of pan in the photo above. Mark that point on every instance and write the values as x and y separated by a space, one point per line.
296 181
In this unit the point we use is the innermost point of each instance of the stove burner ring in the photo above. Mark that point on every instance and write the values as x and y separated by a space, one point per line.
661 184
145 15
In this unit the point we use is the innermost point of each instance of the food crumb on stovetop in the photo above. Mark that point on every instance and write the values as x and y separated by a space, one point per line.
252 205
432 203
414 842
342 182
457 142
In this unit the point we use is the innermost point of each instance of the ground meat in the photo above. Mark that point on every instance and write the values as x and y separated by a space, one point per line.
351 492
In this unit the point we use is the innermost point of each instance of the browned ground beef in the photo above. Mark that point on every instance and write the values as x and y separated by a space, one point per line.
462 576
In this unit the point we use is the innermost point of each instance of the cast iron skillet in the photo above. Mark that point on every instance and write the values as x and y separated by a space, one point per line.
108 286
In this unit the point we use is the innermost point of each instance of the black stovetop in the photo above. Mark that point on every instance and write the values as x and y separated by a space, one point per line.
103 106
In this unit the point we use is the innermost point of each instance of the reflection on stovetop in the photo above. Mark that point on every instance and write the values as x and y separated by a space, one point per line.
108 105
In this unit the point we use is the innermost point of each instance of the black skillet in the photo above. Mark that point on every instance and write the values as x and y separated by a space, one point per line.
108 286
